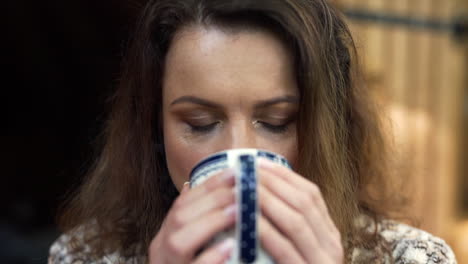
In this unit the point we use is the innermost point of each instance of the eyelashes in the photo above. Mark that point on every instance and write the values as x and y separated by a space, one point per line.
202 129
275 129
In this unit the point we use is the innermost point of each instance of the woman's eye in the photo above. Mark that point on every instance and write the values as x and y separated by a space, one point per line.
202 129
277 129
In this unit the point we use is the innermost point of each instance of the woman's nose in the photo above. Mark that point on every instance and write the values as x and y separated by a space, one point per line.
241 136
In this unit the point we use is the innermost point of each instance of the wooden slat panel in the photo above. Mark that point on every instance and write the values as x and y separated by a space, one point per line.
417 102
421 74
419 121
375 47
398 78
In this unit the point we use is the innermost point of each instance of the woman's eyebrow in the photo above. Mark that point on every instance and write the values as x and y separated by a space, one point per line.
259 104
282 99
195 100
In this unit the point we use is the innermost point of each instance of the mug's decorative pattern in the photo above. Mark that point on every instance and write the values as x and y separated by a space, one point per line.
243 161
248 201
274 158
205 168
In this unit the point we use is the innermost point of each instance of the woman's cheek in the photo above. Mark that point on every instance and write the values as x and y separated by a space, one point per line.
181 155
285 145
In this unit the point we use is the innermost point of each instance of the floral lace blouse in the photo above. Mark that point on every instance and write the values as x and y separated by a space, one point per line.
408 245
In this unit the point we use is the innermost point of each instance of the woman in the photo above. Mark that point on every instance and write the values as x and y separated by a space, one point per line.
202 76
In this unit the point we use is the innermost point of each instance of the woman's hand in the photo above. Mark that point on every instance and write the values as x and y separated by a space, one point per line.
195 217
296 226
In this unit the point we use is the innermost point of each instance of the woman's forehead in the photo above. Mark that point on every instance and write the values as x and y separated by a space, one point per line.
209 60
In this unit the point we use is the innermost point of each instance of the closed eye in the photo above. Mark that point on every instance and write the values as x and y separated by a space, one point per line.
277 129
202 129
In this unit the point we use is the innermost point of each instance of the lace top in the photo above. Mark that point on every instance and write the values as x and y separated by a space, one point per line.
408 245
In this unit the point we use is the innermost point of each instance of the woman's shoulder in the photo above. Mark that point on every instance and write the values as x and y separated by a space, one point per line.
71 248
413 245
409 244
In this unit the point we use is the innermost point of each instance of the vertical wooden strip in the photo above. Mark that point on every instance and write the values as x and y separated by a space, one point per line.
423 48
398 52
397 67
431 184
419 121
409 94
449 117
374 64
346 4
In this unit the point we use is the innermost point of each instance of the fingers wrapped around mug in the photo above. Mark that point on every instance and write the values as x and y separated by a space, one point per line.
295 218
195 217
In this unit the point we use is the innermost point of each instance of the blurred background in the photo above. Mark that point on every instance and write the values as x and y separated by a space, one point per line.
414 55
62 61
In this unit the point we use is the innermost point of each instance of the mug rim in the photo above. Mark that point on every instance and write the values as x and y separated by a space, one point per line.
212 156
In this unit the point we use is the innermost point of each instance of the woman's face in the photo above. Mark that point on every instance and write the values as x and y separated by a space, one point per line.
227 90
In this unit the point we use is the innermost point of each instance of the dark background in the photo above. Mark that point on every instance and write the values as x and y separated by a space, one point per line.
61 61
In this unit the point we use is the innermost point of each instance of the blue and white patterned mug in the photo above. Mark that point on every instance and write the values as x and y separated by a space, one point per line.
243 161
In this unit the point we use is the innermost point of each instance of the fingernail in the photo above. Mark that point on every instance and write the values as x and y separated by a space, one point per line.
264 163
226 246
230 210
228 174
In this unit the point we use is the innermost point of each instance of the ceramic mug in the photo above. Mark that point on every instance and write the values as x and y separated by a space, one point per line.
243 161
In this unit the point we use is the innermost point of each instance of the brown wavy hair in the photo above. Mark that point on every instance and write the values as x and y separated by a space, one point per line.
128 191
